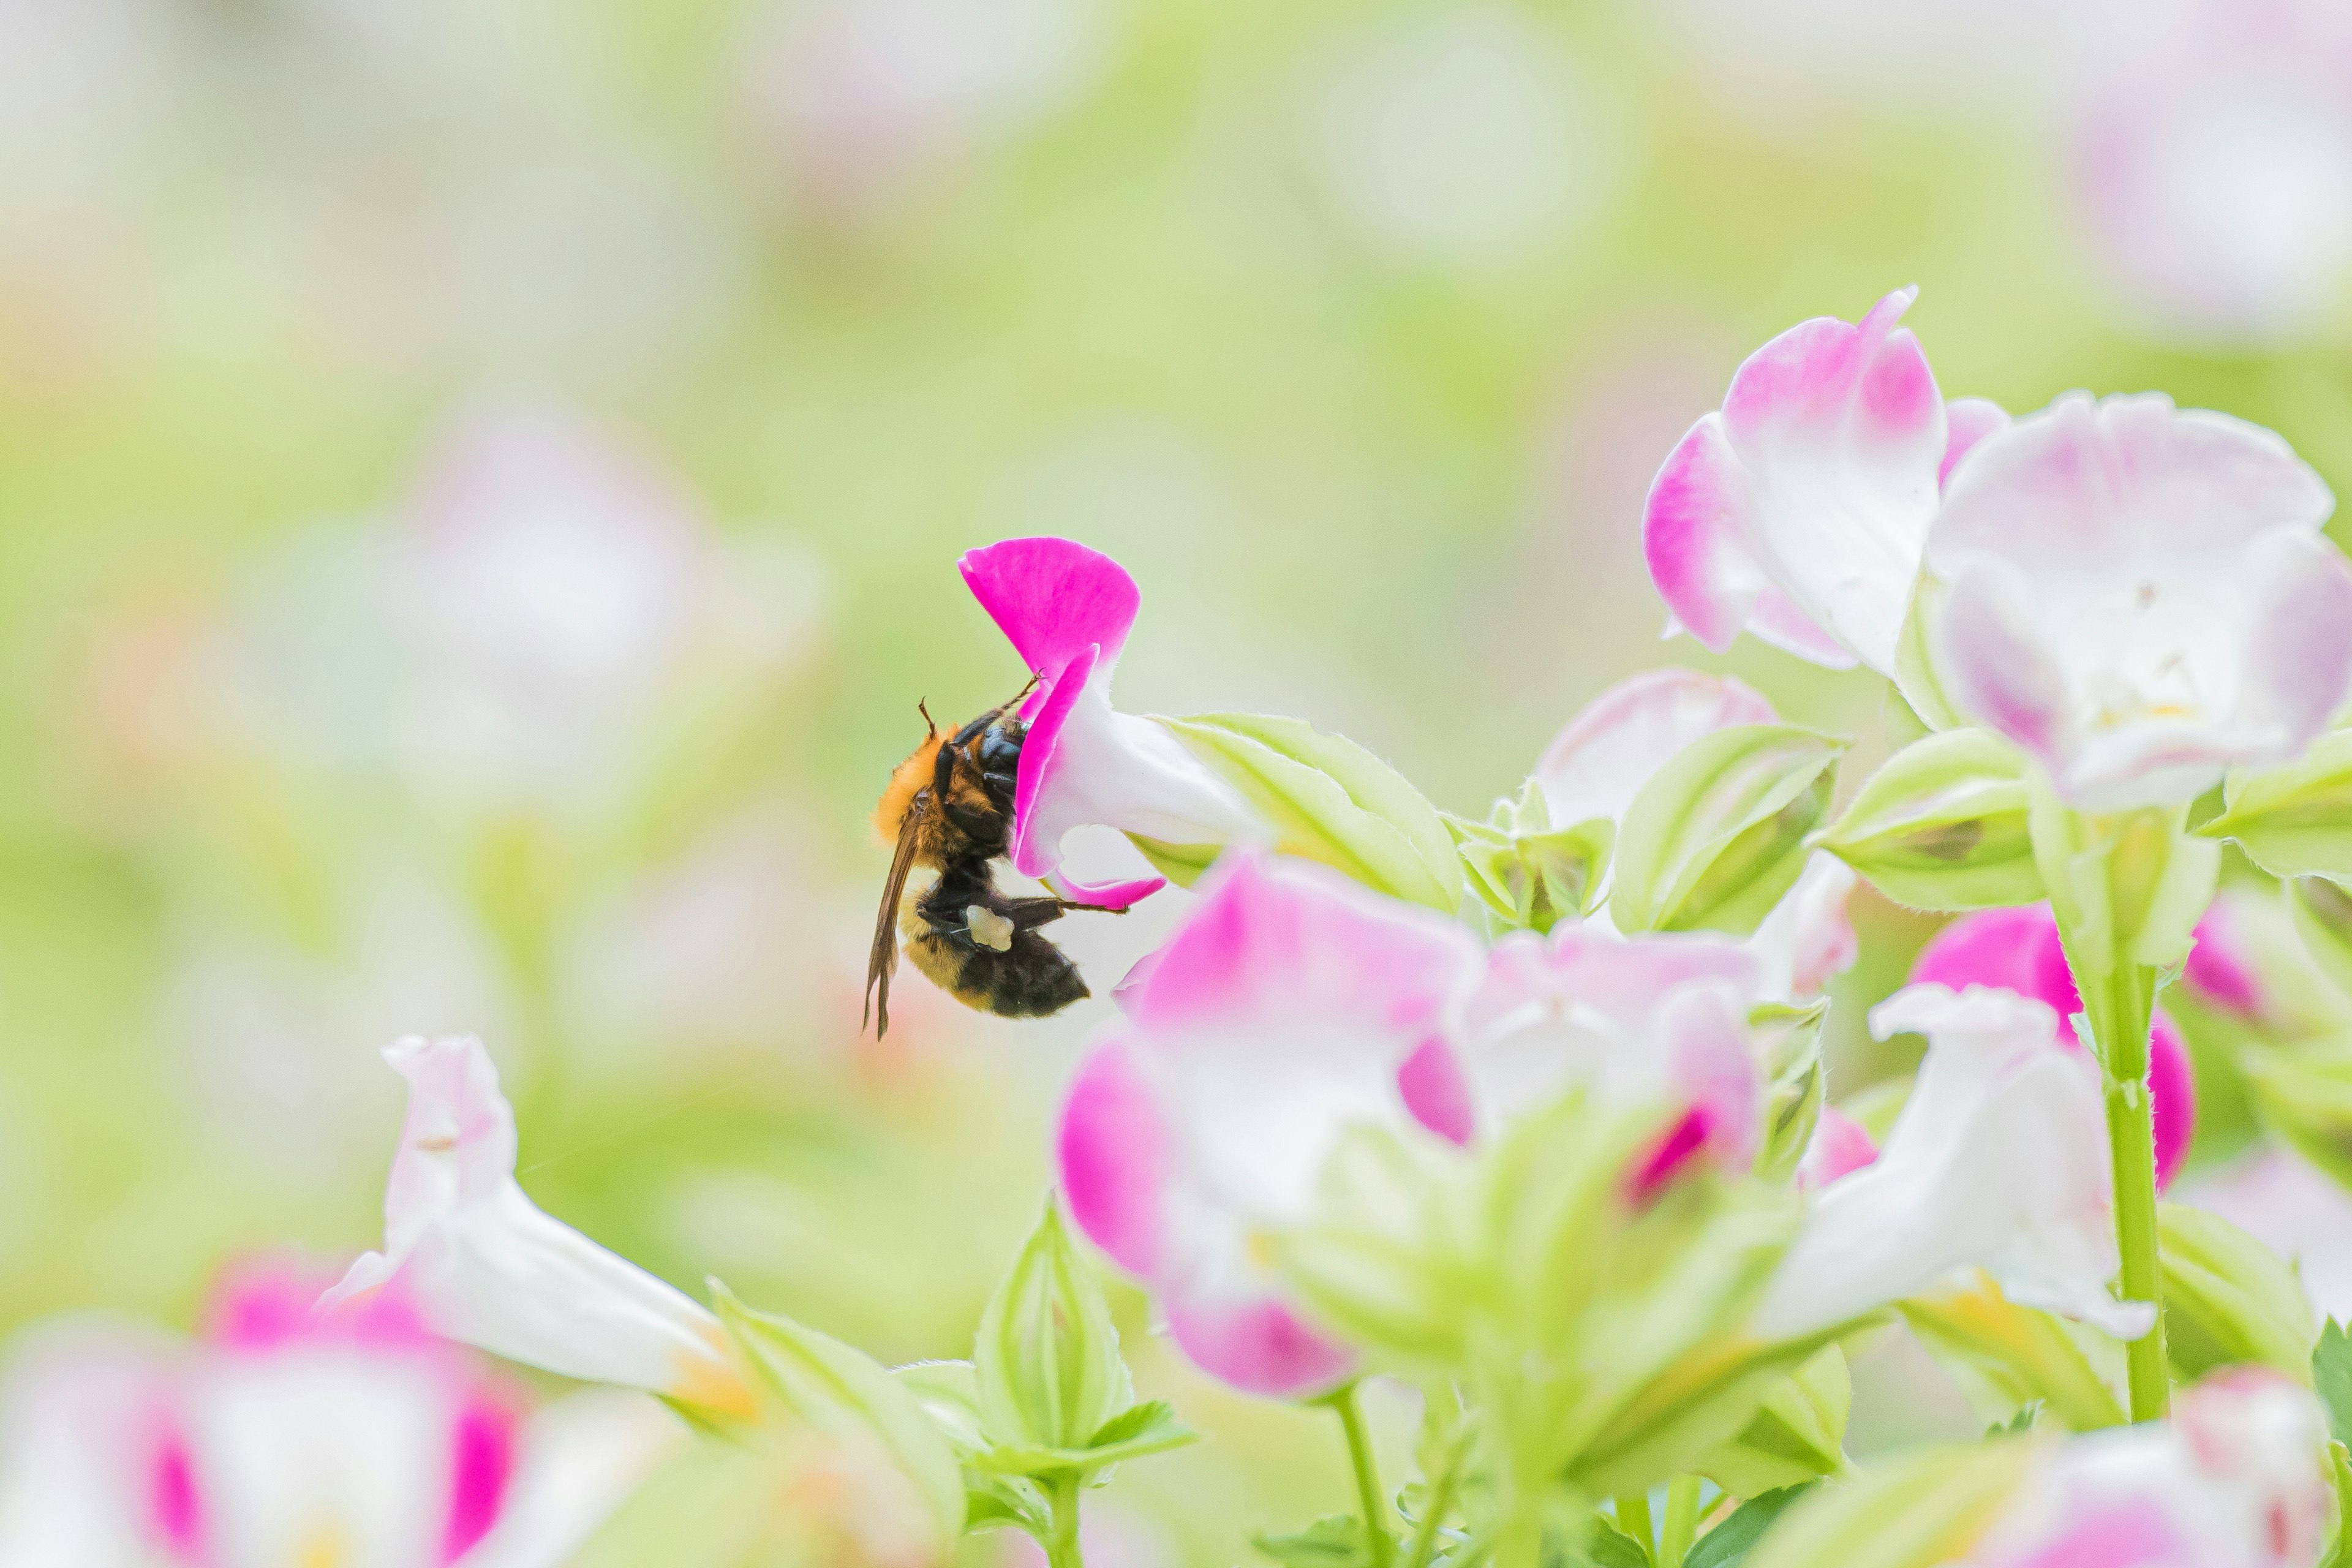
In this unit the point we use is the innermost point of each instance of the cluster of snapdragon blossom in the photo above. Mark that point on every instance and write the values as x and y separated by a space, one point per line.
1530 1112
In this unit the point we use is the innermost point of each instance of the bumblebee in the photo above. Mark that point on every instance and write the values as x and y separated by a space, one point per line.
949 809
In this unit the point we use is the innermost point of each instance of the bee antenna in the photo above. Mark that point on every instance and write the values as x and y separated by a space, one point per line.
930 722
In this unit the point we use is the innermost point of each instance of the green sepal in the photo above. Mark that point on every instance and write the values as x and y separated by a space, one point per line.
1789 1047
1914 665
2322 911
2006 1356
1730 1542
2295 821
1943 825
1046 1352
2304 1093
2228 1300
1326 799
1534 878
840 1391
1718 834
1797 1435
2331 1378
1919 1511
1136 1433
1384 1264
948 1392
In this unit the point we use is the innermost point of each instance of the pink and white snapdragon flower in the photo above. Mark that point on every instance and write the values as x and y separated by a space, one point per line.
2020 950
1294 1006
2233 1480
487 1266
1998 1162
1278 1017
1596 766
1067 610
2140 597
1799 511
289 1438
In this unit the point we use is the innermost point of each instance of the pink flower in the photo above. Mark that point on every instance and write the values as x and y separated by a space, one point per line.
2216 173
1067 610
1998 1162
2140 597
1798 512
1278 1017
282 1439
2019 949
1656 1019
485 1266
2232 1480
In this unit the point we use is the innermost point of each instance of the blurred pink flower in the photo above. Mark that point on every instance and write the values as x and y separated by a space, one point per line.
1798 512
2140 597
2234 1479
279 1435
2215 167
2020 950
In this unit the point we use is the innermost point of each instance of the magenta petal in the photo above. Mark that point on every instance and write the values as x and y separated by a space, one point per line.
481 1447
1675 1150
1995 947
174 1506
1037 769
1114 1157
2221 967
1436 1092
1260 1347
1271 941
1968 420
1812 374
1690 536
2172 1089
1109 895
1053 598
1839 1147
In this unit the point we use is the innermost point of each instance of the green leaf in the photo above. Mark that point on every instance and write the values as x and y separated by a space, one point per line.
2228 1300
1718 834
1046 1355
1729 1542
2018 1424
845 1394
1918 1512
2331 1377
1609 1547
1797 1435
1329 799
948 1392
2295 821
2008 1356
1337 1541
2339 1472
1942 824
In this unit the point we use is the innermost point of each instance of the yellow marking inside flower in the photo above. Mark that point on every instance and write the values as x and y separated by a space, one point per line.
322 1550
436 1145
713 1381
1260 1246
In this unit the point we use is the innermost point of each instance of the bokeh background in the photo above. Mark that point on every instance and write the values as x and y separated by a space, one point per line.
480 483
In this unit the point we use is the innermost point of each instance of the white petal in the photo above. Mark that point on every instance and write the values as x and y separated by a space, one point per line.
1998 1162
1595 766
487 1266
1807 937
582 1457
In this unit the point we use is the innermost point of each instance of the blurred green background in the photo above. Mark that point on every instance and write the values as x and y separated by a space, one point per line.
480 484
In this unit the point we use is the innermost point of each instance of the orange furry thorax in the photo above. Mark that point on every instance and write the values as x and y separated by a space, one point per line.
908 780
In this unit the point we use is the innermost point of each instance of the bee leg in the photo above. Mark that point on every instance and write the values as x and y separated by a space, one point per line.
1026 914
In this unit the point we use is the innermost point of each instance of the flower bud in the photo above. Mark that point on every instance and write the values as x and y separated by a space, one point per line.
1943 826
1323 797
2294 821
1046 1355
1718 834
2228 1300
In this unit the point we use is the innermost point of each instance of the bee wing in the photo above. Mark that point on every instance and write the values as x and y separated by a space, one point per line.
884 957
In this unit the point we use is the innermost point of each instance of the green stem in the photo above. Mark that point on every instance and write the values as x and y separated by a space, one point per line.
1634 1519
1440 1500
1369 1503
2131 1145
1062 1542
1682 1521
